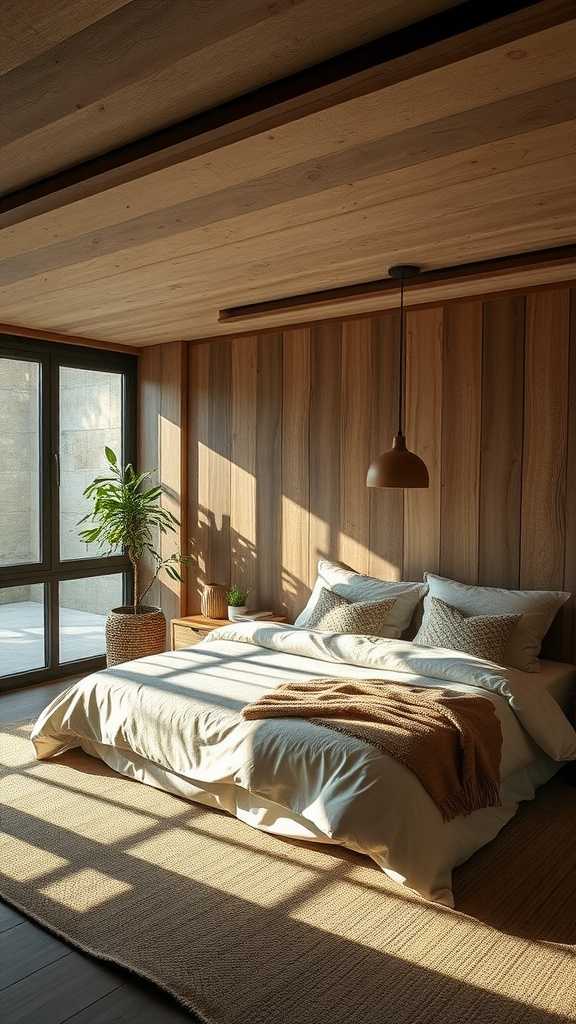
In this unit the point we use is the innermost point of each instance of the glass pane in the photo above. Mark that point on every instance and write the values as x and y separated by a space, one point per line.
19 461
21 629
90 419
84 605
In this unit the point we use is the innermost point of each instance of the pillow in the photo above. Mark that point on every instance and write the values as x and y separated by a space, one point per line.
334 614
484 636
342 580
536 609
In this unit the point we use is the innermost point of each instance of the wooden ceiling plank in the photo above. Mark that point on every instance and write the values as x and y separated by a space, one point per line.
415 50
411 150
416 223
546 60
134 39
31 27
229 48
34 334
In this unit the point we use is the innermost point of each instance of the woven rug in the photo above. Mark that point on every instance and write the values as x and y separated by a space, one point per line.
244 927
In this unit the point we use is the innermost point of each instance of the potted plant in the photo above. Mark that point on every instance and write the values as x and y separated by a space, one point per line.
237 603
125 514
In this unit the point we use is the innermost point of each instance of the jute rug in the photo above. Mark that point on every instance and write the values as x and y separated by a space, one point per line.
244 927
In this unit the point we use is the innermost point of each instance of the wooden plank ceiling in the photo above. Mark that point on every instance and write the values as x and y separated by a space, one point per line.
468 152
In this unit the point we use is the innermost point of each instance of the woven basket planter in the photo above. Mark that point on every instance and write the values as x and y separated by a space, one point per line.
214 601
130 636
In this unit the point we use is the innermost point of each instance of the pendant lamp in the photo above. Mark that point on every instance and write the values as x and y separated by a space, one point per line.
399 467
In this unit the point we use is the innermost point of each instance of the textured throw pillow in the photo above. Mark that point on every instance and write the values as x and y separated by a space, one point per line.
536 610
483 636
334 614
353 586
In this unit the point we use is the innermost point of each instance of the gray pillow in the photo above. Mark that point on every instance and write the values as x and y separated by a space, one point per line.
335 614
483 636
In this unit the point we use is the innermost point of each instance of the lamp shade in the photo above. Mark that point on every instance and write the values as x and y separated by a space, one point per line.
398 468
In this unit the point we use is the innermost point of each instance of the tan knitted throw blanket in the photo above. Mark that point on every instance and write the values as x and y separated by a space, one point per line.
451 742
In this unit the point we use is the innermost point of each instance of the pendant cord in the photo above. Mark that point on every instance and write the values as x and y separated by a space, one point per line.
402 361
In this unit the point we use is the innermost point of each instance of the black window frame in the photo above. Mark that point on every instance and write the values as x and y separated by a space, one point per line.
50 570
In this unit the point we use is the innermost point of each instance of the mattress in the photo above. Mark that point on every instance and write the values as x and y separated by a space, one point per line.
172 721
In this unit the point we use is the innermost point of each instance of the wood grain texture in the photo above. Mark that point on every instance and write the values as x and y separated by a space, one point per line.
325 439
471 160
545 440
461 422
357 384
282 429
162 386
269 470
182 59
502 442
243 479
386 556
568 637
296 399
218 463
422 508
198 468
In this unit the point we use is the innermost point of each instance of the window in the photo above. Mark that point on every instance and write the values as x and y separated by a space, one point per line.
59 407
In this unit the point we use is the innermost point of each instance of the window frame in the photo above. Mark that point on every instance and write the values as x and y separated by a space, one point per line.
50 570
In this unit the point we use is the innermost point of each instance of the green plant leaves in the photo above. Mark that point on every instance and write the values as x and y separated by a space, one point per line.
111 456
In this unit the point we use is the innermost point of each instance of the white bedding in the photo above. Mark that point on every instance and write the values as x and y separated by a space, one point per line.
173 721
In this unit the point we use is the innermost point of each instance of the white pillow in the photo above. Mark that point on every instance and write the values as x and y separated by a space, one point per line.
345 582
537 609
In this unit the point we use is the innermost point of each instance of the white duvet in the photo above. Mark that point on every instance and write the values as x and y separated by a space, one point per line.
174 721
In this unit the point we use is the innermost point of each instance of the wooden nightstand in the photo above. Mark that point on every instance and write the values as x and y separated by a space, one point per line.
193 628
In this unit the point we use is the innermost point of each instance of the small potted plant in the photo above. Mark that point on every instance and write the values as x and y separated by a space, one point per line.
237 603
126 514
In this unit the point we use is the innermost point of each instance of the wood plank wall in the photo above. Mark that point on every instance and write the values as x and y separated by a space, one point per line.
162 433
281 428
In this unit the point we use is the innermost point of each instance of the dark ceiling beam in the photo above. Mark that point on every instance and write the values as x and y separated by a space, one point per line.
453 35
493 269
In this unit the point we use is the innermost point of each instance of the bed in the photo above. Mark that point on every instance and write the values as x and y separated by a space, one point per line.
174 721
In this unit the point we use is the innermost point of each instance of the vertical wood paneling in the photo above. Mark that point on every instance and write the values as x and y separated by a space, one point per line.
386 506
502 442
149 405
269 470
568 638
243 475
217 509
461 418
545 439
326 368
424 347
295 517
173 470
282 429
162 429
354 544
198 470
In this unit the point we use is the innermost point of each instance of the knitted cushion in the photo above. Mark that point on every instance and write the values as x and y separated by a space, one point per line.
484 636
335 614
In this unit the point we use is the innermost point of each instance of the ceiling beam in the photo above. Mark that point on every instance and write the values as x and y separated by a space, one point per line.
493 269
34 334
453 35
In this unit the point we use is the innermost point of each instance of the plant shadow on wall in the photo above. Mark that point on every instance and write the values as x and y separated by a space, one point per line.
89 881
282 430
206 546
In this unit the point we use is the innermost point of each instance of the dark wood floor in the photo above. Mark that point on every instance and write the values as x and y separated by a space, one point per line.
45 981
